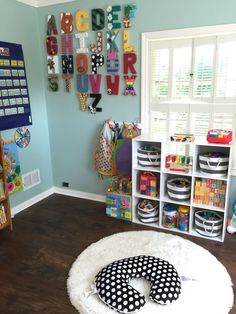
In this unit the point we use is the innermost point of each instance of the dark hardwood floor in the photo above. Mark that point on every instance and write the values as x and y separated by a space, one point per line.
35 258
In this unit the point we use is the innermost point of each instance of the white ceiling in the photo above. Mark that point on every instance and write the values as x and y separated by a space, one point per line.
43 3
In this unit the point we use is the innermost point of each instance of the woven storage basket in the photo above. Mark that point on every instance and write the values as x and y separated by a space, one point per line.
208 223
179 189
214 163
149 156
147 211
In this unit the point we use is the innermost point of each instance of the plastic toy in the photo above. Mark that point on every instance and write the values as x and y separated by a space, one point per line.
219 136
231 228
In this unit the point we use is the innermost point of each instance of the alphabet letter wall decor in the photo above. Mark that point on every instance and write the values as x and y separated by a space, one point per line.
99 44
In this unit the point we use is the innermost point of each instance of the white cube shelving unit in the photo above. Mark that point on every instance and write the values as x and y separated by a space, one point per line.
193 149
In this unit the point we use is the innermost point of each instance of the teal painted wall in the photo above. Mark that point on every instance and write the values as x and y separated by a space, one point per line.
19 25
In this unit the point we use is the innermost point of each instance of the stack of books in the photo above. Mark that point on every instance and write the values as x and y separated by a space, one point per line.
3 218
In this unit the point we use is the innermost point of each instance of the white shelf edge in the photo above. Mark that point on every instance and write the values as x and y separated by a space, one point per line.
207 207
138 195
152 169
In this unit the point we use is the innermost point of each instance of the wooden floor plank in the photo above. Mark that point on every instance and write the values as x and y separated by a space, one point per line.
36 257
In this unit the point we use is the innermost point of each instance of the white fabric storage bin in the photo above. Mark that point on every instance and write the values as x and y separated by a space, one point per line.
214 163
149 156
208 223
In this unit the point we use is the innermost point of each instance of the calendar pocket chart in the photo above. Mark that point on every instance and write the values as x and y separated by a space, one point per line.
14 96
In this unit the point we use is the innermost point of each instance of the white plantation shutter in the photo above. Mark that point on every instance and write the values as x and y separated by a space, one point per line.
160 72
226 67
159 123
181 70
203 67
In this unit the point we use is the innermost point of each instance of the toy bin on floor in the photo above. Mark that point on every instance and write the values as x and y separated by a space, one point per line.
119 206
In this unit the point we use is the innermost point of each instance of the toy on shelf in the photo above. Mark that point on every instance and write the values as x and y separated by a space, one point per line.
209 192
231 228
185 137
219 136
120 184
149 156
169 217
148 184
179 163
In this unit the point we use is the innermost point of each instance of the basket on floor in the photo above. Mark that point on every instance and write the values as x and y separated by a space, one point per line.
149 156
179 189
214 163
208 223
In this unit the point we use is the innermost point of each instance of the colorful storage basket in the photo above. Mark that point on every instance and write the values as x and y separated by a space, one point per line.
179 189
208 223
214 163
149 156
148 184
147 211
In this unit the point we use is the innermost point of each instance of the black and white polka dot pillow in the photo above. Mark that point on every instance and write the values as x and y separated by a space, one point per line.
112 283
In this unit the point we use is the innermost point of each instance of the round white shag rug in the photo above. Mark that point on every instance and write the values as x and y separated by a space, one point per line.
208 288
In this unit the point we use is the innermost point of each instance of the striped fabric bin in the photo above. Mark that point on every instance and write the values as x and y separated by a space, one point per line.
179 189
147 211
214 163
208 223
149 156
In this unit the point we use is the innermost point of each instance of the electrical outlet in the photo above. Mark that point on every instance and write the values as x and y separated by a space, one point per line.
65 184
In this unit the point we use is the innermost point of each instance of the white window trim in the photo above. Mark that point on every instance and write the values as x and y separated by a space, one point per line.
149 37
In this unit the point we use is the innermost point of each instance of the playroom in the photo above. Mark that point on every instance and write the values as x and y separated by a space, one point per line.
117 156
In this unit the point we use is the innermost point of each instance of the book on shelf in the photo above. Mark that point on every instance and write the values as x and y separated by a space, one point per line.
3 218
2 193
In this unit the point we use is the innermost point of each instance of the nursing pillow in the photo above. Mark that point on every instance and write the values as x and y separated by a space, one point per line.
112 283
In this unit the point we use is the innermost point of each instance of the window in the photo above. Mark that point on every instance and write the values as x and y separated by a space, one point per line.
189 80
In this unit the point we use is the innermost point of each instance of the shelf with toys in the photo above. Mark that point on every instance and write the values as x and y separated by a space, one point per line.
5 211
181 186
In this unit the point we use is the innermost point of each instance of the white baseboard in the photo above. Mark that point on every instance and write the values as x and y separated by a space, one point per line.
80 194
89 196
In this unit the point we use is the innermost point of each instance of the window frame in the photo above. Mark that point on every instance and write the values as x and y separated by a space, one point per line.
147 39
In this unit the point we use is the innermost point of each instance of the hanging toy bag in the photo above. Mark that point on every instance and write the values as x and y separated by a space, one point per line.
103 152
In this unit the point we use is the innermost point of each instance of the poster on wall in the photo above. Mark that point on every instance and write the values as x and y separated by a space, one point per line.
12 166
14 96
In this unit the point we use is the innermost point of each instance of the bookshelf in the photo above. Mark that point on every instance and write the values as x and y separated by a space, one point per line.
5 210
194 175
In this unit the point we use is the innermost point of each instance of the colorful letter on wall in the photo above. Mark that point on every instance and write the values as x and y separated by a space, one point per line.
93 108
129 61
129 13
82 63
97 60
52 46
98 19
51 26
82 83
129 90
97 48
111 37
113 17
67 64
83 99
82 37
53 65
95 82
113 82
113 63
127 47
67 44
53 84
81 17
66 23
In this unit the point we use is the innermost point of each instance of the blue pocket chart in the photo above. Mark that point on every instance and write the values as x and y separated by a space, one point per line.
14 96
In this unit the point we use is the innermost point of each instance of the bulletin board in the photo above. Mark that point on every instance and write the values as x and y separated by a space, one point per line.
14 96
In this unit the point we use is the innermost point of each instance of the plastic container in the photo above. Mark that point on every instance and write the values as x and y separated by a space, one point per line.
169 218
183 218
